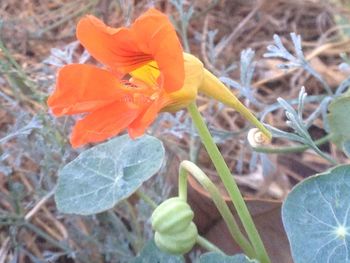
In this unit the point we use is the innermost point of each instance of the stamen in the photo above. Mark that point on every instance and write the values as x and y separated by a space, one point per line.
129 85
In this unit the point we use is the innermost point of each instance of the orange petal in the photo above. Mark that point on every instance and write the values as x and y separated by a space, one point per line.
156 35
150 112
103 123
83 88
114 47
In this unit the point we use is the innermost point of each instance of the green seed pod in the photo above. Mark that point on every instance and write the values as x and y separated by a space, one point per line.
172 222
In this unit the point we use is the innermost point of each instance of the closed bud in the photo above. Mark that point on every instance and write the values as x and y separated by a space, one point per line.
175 233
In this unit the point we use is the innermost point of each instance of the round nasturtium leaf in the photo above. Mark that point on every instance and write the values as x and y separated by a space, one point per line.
214 257
151 254
338 119
316 217
346 148
104 175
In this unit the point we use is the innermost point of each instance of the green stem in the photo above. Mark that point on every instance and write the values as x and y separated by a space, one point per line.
146 199
229 183
300 148
184 36
206 244
202 178
291 149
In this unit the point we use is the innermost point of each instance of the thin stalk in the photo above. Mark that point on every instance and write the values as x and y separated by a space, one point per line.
229 183
184 37
206 244
146 199
10 58
203 179
48 238
291 149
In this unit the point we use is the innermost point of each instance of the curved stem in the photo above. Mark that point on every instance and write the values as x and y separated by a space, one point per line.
291 149
146 199
206 244
202 178
229 183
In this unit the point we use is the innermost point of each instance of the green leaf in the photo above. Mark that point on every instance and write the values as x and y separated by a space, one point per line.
317 220
214 257
338 118
104 175
151 254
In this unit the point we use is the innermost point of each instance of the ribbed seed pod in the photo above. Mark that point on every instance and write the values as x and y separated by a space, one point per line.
172 222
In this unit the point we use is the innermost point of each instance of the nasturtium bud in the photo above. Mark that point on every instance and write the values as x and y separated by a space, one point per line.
256 138
177 243
175 233
193 79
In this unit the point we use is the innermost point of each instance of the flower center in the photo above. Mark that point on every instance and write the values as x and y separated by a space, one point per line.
130 85
139 93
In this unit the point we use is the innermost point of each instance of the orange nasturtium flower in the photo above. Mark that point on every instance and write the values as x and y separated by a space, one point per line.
146 72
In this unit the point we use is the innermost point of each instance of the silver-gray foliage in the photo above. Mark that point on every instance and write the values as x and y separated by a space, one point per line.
300 126
104 175
298 60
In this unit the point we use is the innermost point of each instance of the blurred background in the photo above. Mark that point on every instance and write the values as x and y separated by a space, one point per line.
38 36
